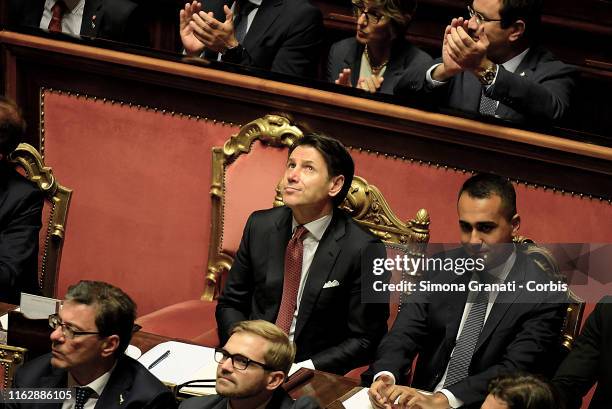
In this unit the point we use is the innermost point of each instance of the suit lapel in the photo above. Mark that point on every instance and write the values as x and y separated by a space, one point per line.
454 311
525 69
118 387
276 267
503 301
320 269
353 59
267 13
92 16
397 65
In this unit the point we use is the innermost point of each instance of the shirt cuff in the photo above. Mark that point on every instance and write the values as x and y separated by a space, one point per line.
433 83
389 374
306 364
452 400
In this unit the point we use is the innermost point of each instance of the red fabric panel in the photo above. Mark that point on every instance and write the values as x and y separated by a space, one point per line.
250 184
186 320
140 213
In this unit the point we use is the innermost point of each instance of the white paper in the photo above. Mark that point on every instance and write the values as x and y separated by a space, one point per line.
184 362
4 319
360 400
36 307
133 351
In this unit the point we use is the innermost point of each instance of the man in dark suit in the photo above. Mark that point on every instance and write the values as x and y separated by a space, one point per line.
465 337
492 64
117 20
379 50
278 35
91 333
20 214
589 361
252 367
318 303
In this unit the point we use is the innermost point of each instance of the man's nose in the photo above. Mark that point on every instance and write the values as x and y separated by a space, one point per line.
227 365
473 25
56 334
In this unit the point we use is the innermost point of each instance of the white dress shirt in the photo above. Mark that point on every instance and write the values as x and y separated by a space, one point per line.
72 19
97 385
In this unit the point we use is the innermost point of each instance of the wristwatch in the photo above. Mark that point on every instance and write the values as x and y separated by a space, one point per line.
487 75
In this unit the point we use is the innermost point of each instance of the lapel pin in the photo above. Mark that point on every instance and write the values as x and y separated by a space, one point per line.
523 74
121 399
93 21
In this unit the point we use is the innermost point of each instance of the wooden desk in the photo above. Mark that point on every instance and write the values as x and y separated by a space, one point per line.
325 387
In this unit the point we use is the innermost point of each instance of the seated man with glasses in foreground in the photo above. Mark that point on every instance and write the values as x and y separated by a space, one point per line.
252 367
492 64
90 335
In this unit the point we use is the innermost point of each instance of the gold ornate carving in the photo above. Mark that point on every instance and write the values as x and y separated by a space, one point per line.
273 130
58 197
11 358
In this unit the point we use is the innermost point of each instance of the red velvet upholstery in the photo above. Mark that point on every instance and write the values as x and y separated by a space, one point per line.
140 213
181 320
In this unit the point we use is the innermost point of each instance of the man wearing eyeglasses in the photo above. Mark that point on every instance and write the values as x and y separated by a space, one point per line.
252 367
90 335
491 65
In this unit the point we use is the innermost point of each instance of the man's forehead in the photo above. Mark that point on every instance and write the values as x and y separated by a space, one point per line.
247 344
487 208
306 153
489 8
77 313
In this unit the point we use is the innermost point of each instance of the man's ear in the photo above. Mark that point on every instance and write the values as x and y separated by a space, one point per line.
275 380
516 223
517 31
337 183
110 345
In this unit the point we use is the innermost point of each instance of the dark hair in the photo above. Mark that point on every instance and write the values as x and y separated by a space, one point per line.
12 126
528 10
337 159
523 391
115 310
484 185
399 12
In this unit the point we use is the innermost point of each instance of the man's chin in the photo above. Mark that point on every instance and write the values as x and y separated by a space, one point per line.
58 363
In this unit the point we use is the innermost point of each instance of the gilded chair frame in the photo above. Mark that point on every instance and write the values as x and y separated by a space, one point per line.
58 197
364 202
11 358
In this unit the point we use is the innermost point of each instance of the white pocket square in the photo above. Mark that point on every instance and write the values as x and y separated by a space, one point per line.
331 284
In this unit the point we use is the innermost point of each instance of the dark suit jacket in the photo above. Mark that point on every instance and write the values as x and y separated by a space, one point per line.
280 400
406 60
522 332
539 89
20 219
117 20
284 37
589 361
334 328
131 383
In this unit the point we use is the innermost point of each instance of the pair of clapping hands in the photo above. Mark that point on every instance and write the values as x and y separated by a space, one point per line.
385 395
370 84
200 30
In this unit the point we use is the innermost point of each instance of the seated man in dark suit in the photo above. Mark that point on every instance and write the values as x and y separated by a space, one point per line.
589 361
300 265
252 367
20 214
379 54
117 20
465 337
89 338
492 65
277 35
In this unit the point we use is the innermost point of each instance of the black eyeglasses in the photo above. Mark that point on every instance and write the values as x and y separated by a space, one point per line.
370 16
239 362
479 17
68 332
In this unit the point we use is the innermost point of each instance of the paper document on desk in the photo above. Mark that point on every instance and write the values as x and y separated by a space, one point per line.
361 400
184 362
36 307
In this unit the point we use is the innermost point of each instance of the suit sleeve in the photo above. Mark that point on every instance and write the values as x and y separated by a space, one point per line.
367 320
533 343
545 96
19 243
579 371
299 54
234 303
163 401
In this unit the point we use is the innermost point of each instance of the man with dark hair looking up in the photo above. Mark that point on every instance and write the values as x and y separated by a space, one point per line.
465 338
90 335
300 265
21 205
492 64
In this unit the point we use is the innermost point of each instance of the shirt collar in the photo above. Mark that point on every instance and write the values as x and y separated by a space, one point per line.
513 63
316 227
97 384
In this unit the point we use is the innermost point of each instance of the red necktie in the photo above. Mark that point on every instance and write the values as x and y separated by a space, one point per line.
57 12
291 283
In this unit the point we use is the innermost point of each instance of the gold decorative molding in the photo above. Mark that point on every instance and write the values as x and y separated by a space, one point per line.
11 358
58 197
272 130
